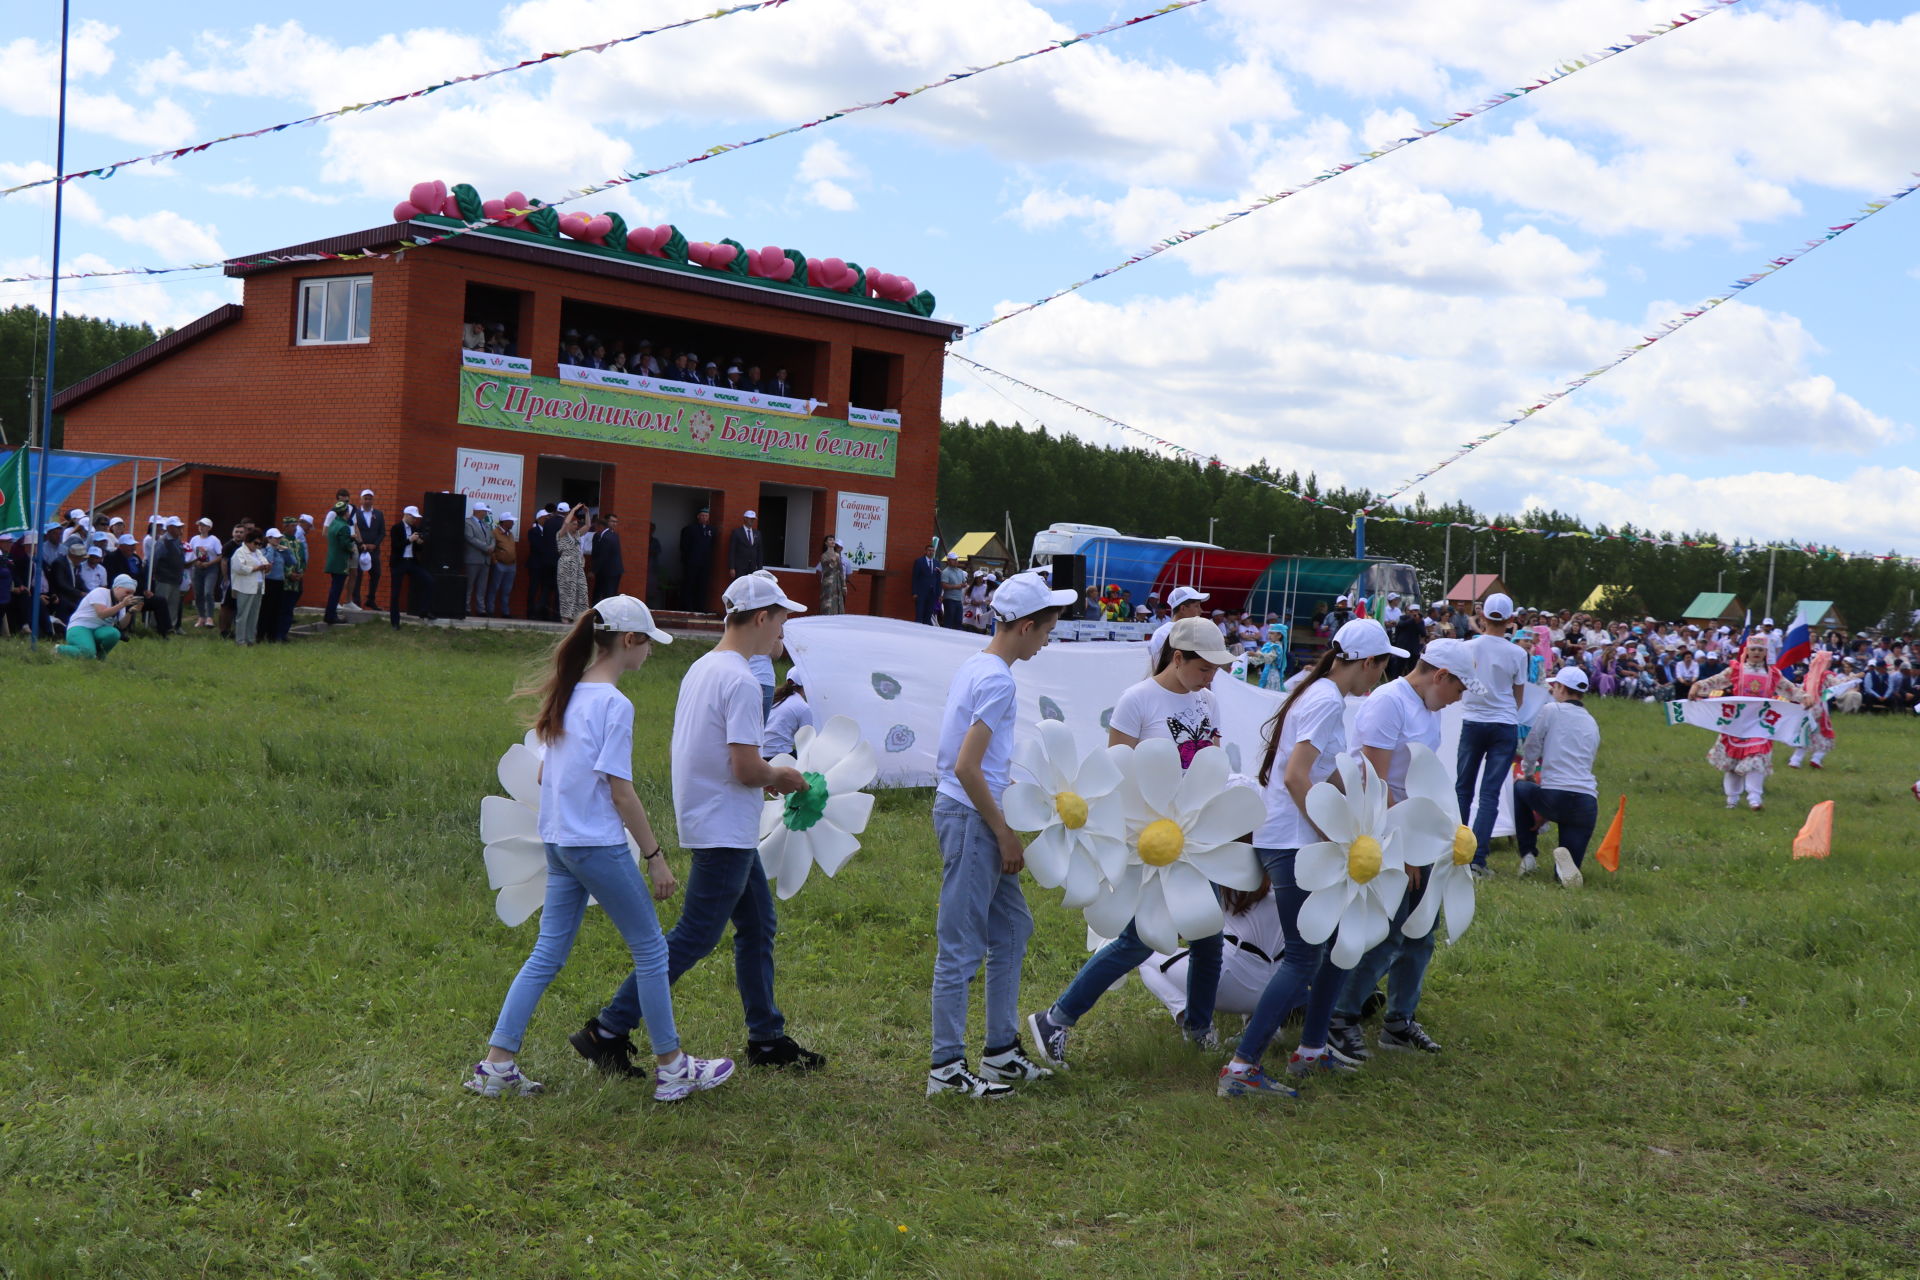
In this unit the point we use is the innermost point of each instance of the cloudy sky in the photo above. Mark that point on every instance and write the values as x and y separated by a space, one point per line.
1361 329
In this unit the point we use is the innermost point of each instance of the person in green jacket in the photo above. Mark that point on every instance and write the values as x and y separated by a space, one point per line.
340 555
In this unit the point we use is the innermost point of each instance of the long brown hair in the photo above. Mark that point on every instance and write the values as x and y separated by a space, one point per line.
1237 902
1319 671
567 662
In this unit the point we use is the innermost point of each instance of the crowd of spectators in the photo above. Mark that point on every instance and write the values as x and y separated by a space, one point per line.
641 357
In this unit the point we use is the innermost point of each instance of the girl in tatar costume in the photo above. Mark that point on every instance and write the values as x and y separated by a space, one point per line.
1746 762
1816 684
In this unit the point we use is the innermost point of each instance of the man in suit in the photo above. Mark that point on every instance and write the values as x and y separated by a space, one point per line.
478 531
64 587
1877 690
696 561
608 564
745 553
370 531
778 384
653 562
926 588
543 566
407 563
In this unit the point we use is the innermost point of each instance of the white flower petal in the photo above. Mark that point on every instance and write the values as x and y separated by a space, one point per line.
850 811
1320 866
802 736
1362 928
1419 921
773 851
1320 913
829 846
857 769
1153 922
516 902
1332 812
796 863
1049 855
1106 816
1027 807
1232 865
503 819
1110 853
532 743
1427 775
1062 755
1099 775
1387 890
1205 778
519 772
514 861
1459 904
770 815
1084 882
1225 816
1157 775
836 738
1107 915
1425 829
1190 901
1030 758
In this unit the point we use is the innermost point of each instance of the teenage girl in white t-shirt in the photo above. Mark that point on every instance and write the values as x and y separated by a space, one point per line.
1303 739
587 809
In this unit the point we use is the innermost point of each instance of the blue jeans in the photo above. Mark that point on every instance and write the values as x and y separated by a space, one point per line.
605 872
1535 806
500 588
1491 746
1112 962
1307 974
723 885
1401 960
983 918
206 583
336 587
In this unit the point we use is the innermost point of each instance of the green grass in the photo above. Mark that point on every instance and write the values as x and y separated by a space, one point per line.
250 953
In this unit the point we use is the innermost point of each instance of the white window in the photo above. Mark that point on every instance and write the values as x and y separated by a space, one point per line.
336 309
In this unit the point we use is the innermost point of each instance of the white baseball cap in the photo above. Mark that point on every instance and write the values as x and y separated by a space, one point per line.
1198 636
481 506
1571 677
1497 606
749 515
1393 595
1364 638
507 519
408 511
561 508
1182 595
94 550
1341 600
76 514
1025 594
122 580
126 539
304 519
624 613
1452 657
117 520
1766 622
366 493
273 533
757 591
205 520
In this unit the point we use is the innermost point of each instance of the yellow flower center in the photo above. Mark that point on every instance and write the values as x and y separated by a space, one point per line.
1072 810
1464 845
1162 842
1363 859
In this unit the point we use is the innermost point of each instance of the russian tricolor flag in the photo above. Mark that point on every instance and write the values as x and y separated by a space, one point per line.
1798 646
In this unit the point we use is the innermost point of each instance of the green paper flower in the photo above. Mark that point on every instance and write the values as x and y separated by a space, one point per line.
804 808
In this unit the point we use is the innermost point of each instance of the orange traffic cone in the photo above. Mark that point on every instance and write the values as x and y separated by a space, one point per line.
1608 854
1816 837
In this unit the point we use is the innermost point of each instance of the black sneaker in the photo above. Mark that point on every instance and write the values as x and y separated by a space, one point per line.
955 1078
613 1057
1345 1041
783 1053
1412 1038
1049 1039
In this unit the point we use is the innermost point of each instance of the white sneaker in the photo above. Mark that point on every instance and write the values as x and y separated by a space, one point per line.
491 1079
955 1078
1527 864
1012 1067
1570 877
690 1075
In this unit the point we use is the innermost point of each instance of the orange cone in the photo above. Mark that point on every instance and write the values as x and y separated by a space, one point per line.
1608 854
1816 837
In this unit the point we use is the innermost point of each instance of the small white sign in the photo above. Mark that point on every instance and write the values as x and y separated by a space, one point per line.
492 478
860 523
487 362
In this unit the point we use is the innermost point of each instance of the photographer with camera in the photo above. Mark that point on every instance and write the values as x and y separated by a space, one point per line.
92 631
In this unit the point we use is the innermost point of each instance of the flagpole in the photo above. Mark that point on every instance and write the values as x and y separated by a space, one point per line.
53 323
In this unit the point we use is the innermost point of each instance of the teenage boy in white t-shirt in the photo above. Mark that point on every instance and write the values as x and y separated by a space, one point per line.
719 786
1393 718
1490 729
983 911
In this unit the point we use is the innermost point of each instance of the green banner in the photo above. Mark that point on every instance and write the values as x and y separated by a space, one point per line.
549 407
13 491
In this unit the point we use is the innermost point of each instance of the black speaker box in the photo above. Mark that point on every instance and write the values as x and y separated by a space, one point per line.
446 513
449 595
1070 574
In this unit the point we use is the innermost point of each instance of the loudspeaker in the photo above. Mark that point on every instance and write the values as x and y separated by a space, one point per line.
446 513
449 595
1070 574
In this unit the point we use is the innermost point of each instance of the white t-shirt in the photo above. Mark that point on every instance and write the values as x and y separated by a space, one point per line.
1318 716
596 743
1146 711
719 707
1564 740
204 542
982 692
1390 718
88 614
784 721
1499 667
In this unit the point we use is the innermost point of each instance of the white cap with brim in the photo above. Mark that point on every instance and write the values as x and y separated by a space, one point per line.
409 511
624 613
481 506
1181 595
1497 606
126 539
1025 594
274 533
1200 637
561 508
1570 677
205 520
76 514
757 591
1364 638
1452 657
123 580
304 519
749 515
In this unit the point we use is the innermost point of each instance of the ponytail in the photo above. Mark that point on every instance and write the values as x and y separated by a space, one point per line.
566 664
787 690
1237 902
1320 671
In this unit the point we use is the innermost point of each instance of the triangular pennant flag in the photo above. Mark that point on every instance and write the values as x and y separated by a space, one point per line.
1816 837
1608 854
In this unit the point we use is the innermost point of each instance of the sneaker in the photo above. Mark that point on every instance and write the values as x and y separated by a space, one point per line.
690 1075
1733 802
1527 863
783 1053
1565 867
1756 806
1240 1080
1412 1038
1795 764
491 1079
1010 1066
613 1057
1816 764
1049 1039
955 1078
1325 1064
1207 1040
1479 872
1345 1042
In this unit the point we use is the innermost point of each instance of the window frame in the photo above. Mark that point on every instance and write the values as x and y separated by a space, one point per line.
322 284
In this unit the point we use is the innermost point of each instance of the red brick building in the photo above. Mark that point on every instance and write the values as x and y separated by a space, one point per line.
353 373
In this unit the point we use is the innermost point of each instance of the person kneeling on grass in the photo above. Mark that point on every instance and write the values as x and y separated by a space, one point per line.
1562 745
587 808
91 629
719 786
1178 705
983 912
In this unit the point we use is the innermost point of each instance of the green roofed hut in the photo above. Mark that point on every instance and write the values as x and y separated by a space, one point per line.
1820 615
1716 608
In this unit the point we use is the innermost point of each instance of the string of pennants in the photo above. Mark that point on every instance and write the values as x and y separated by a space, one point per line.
1813 550
1560 72
178 153
421 240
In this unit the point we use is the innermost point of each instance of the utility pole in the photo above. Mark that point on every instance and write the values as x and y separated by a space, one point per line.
1269 544
1772 552
1211 520
53 317
1446 563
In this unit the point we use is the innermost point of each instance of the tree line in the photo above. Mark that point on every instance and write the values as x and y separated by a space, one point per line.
87 345
990 474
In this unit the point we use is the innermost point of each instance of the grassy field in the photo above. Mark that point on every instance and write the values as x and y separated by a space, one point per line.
250 954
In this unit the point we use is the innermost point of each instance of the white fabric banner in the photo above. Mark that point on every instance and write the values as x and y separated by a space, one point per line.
750 400
487 361
874 417
1769 718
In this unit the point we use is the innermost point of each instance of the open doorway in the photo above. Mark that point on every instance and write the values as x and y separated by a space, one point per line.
675 509
786 525
574 481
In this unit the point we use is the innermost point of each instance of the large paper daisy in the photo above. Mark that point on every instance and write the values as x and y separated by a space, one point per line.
820 823
1450 883
510 828
1077 807
1186 832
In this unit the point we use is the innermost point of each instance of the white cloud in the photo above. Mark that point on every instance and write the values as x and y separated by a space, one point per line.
820 165
173 237
29 86
167 302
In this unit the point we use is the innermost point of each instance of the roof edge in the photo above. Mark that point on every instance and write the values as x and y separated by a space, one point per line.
159 349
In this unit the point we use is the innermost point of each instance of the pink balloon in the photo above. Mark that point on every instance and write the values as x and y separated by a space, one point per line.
772 254
574 224
907 291
753 262
405 212
784 272
720 256
834 266
428 195
517 200
640 240
697 252
494 209
814 269
599 227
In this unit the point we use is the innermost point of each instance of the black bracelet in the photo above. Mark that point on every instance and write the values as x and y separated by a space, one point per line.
655 854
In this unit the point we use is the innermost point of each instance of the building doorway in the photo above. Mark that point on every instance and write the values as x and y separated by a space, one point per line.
674 508
786 526
574 481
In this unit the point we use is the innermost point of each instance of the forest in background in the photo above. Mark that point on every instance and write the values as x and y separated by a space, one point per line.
87 345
